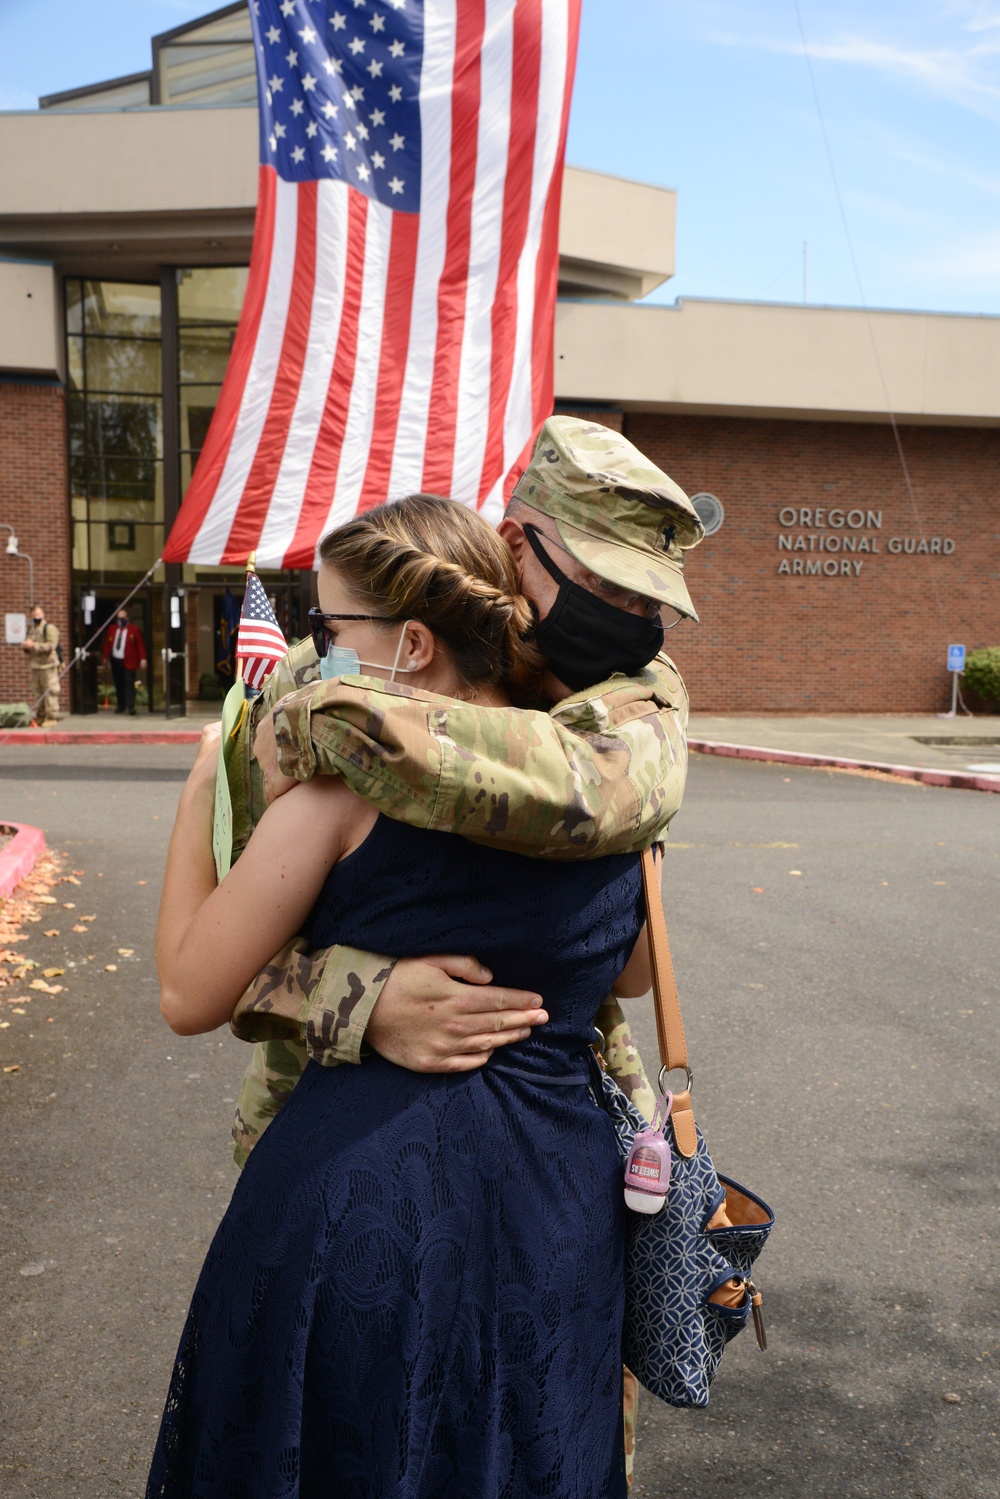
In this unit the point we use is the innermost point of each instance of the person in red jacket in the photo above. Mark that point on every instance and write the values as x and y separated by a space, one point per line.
125 650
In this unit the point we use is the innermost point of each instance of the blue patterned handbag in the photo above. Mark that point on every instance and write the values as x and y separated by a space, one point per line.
687 1284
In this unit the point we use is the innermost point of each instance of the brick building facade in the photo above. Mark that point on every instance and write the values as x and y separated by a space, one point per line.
871 637
33 501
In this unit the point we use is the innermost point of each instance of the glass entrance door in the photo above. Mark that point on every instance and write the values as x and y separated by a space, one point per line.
174 653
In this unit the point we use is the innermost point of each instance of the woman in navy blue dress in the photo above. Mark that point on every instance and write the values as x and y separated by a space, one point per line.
416 1291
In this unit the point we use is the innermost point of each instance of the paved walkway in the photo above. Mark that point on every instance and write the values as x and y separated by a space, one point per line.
951 751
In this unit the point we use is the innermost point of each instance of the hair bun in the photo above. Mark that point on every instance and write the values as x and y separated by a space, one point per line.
433 560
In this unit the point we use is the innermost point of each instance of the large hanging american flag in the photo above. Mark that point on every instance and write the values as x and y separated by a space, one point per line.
396 333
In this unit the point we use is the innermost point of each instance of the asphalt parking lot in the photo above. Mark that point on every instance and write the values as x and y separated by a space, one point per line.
837 949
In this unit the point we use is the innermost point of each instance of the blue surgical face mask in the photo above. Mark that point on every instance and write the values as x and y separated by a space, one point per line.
339 662
342 661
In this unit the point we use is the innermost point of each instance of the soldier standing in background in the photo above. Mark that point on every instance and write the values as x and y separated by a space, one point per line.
41 649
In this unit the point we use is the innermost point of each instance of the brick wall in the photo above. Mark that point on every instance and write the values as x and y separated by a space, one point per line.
872 638
33 500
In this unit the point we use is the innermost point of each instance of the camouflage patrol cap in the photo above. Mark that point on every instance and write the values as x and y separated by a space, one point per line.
615 512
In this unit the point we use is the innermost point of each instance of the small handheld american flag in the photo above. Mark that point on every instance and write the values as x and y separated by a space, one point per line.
260 644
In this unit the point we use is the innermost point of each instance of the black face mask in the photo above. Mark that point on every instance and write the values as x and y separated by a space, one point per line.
585 639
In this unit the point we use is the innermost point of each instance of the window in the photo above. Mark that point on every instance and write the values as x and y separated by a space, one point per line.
115 418
208 308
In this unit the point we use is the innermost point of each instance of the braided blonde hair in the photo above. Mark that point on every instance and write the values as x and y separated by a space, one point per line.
436 561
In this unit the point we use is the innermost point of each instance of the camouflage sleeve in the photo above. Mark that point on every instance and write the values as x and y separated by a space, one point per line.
602 773
621 1056
274 1069
322 997
304 1004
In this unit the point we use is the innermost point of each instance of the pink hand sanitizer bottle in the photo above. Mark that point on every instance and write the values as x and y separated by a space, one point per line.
647 1170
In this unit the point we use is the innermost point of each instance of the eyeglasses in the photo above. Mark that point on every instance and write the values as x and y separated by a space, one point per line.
616 596
323 638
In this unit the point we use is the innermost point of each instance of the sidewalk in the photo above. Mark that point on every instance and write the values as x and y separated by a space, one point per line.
943 751
114 728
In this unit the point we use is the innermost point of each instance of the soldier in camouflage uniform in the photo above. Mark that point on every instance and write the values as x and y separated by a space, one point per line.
602 772
41 648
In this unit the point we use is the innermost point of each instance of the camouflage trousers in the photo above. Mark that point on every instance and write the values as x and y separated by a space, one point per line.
45 692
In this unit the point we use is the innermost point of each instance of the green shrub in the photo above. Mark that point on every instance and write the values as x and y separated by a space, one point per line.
14 715
210 689
982 675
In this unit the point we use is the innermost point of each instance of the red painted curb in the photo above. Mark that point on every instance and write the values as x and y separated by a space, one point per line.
19 857
961 780
102 736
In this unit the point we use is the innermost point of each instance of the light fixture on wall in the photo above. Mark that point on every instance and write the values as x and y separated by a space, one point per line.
14 550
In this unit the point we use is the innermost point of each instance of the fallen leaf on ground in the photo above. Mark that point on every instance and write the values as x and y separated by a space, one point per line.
142 882
79 928
17 1012
69 905
757 889
111 968
51 932
89 918
45 900
53 973
45 988
70 879
15 1067
4 1025
795 871
125 952
79 872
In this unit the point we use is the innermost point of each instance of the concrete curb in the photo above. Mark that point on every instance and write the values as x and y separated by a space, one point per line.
103 736
19 857
962 780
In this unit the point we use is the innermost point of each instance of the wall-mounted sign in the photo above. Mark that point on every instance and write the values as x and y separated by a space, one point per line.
849 533
15 628
709 510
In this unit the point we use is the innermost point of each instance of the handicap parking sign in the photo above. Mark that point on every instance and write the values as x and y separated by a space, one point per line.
956 658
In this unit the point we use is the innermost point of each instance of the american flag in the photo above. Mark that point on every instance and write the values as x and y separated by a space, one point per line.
260 644
396 333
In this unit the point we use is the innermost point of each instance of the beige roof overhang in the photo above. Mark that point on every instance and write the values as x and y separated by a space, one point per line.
136 189
765 360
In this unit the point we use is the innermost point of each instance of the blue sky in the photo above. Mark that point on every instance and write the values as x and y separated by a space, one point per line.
714 99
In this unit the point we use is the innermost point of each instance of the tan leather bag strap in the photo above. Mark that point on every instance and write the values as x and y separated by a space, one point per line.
667 1006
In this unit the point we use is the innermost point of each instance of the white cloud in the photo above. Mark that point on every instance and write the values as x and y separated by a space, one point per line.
974 258
948 49
13 98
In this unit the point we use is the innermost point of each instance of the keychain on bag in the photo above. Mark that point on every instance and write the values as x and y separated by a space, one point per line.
647 1170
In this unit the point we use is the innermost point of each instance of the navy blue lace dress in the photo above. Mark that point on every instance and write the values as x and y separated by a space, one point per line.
416 1291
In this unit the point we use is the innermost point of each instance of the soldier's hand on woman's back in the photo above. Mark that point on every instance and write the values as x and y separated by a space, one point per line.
442 1014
